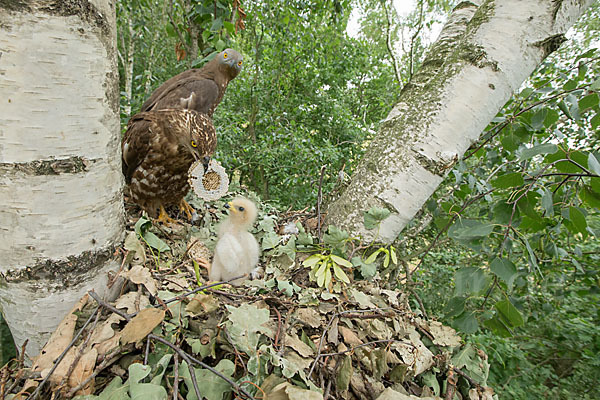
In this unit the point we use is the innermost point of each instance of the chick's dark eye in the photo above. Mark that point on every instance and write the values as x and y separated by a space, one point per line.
241 208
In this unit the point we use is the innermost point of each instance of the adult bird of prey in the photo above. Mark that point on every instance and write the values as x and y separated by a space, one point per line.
198 89
157 150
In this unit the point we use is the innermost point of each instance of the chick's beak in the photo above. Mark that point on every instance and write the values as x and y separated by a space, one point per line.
230 206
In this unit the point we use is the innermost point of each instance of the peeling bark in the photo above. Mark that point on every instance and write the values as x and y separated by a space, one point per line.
483 54
60 181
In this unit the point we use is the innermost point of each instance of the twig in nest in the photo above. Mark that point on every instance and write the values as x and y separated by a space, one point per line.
194 381
104 304
147 353
235 350
20 364
191 360
388 314
113 279
80 352
451 389
264 395
350 350
467 377
276 344
108 359
4 379
318 356
164 306
201 288
37 390
176 378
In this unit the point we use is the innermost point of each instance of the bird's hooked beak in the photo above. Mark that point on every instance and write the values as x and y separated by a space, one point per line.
230 206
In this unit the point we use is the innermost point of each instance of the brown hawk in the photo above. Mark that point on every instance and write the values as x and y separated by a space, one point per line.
157 150
198 89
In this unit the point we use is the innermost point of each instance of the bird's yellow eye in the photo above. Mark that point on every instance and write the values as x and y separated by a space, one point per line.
194 144
240 64
225 55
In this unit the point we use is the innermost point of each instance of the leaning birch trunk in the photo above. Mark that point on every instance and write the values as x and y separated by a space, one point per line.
483 54
60 182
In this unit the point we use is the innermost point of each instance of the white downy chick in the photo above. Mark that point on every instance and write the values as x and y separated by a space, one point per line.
237 251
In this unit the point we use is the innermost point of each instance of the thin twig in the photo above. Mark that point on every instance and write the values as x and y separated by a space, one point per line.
108 359
467 377
193 377
81 348
104 304
451 387
276 343
204 287
365 344
176 377
20 364
336 315
37 390
5 374
147 351
191 360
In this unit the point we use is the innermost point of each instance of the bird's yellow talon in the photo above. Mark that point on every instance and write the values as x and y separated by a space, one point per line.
186 208
164 218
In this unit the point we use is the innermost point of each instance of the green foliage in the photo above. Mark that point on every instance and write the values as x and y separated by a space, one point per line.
7 345
144 382
142 228
321 266
527 199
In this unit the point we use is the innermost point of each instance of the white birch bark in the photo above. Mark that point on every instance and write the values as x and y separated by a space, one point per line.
60 181
128 68
483 54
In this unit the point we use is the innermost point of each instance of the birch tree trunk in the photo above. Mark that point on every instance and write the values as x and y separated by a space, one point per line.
484 53
60 182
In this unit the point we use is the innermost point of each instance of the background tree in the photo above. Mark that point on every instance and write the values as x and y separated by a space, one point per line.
62 214
411 154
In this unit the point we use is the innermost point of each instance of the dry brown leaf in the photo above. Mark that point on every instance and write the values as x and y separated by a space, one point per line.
62 368
302 348
109 344
443 335
202 303
391 394
415 354
128 301
60 339
176 282
141 276
350 338
83 369
332 333
309 317
141 325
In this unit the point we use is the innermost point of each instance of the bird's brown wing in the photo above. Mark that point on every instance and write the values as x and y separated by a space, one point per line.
171 93
136 142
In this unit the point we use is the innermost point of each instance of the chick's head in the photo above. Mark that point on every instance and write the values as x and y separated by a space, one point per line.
242 212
